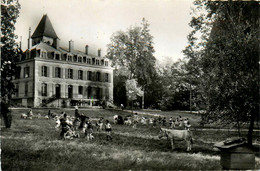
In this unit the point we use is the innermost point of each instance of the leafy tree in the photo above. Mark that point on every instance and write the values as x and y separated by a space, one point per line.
10 54
176 87
227 58
132 52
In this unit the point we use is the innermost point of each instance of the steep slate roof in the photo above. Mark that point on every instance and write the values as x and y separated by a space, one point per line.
77 52
44 46
44 28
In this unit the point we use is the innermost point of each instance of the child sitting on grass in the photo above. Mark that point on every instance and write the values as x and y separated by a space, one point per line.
108 129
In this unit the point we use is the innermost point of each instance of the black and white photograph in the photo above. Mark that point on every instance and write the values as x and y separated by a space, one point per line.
129 85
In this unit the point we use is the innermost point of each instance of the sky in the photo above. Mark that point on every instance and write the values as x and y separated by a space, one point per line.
92 22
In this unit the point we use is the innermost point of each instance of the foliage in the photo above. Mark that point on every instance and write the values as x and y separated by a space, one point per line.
176 88
131 53
132 89
223 52
9 55
10 52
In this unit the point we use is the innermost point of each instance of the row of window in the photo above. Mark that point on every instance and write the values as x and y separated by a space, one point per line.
70 90
69 57
89 91
90 74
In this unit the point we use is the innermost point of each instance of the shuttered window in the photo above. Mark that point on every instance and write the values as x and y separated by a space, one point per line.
44 89
70 73
44 71
89 75
80 74
58 72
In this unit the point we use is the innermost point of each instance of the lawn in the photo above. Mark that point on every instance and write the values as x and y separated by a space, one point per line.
35 145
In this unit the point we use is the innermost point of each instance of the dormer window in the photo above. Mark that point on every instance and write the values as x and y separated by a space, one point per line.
106 63
75 59
97 62
57 56
79 59
27 55
88 61
69 58
84 59
43 54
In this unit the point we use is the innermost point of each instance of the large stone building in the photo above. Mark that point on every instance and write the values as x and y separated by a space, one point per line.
51 75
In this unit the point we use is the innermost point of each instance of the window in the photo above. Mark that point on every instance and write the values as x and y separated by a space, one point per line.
107 93
70 73
44 89
98 76
75 59
98 90
80 59
97 62
80 90
57 56
44 54
88 61
58 72
26 72
106 63
106 77
44 71
17 90
102 62
89 92
89 75
27 55
26 89
84 59
80 75
69 58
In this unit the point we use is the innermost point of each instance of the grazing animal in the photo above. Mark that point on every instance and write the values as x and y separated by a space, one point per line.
23 116
174 134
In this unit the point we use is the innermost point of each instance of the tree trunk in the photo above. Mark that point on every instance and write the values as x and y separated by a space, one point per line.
143 100
250 130
132 107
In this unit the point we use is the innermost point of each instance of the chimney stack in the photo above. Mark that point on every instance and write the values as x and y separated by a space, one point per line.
56 43
20 42
99 52
71 46
29 38
86 49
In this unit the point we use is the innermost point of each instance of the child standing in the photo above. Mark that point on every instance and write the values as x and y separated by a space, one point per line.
64 127
170 122
89 130
108 129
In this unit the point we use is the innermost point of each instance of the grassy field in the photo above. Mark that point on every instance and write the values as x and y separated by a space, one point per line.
35 145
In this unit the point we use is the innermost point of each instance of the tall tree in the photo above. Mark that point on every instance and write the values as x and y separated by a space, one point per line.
228 57
10 54
132 51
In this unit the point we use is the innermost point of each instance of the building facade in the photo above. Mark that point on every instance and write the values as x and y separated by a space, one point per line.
56 76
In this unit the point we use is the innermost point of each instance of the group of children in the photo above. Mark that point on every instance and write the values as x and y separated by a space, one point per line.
85 124
179 123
